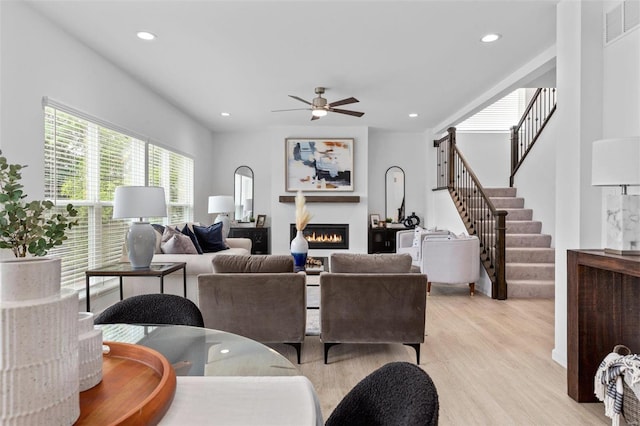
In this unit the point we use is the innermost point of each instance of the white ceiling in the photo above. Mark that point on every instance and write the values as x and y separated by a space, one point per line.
245 57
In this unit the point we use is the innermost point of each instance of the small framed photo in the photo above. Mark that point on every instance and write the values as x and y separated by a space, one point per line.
262 219
374 220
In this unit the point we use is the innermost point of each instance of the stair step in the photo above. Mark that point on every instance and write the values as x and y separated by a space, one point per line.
527 240
530 254
500 192
519 214
531 289
530 271
523 226
515 226
507 202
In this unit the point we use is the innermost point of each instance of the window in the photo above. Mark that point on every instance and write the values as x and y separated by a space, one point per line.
498 117
85 160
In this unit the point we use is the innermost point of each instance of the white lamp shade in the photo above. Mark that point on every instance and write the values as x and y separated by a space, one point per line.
139 201
616 162
248 204
221 204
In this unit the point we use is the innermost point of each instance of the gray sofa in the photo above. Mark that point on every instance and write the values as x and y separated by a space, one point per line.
256 296
372 298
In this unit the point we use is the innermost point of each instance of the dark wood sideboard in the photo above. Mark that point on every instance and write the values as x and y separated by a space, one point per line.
603 310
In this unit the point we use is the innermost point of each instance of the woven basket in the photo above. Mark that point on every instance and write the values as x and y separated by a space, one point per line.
630 403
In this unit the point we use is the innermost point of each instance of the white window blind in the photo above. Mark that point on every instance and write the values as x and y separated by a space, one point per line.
498 117
84 162
174 172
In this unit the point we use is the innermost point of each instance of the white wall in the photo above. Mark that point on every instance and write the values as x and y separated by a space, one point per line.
579 123
536 177
407 151
264 152
489 155
45 61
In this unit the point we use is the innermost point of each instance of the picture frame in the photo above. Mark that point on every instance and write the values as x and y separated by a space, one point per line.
260 222
319 164
374 220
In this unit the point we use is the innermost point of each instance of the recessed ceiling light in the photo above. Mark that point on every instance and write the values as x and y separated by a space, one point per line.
225 114
144 35
490 38
413 115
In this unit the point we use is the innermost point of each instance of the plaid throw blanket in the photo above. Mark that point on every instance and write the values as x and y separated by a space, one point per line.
608 382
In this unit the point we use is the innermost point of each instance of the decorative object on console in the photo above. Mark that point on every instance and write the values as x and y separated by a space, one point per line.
262 219
319 165
223 205
374 220
412 221
616 162
39 380
140 202
299 245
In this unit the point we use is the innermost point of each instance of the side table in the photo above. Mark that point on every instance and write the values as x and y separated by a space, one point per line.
124 269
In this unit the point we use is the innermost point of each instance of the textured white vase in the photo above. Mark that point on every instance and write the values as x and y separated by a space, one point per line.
89 352
39 338
299 250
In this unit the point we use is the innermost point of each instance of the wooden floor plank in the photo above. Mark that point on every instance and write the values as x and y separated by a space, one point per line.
490 361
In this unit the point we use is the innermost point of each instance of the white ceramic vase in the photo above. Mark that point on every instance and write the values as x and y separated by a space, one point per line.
39 338
89 352
299 250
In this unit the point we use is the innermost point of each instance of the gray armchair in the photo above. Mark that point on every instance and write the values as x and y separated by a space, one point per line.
372 298
256 296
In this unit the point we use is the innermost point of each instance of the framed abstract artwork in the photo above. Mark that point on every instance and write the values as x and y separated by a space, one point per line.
318 164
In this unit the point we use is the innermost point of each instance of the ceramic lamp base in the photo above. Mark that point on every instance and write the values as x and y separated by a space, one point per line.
141 244
623 227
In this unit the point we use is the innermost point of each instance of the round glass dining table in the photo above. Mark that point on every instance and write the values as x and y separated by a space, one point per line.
197 351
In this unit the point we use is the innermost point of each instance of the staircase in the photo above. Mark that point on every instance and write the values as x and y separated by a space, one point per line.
529 258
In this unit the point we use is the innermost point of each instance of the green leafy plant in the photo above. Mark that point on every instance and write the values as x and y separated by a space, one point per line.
388 220
28 226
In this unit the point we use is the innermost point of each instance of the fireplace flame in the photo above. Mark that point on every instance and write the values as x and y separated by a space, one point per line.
323 238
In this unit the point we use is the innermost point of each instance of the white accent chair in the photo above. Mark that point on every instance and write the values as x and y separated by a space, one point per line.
442 256
451 260
410 241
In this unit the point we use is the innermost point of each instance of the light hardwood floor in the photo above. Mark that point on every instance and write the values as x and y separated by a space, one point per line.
490 361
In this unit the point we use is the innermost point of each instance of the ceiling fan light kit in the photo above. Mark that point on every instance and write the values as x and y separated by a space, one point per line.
320 107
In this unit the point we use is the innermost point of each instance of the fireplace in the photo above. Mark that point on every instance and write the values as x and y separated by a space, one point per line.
325 235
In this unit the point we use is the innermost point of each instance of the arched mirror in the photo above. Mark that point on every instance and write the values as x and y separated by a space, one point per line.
394 194
243 193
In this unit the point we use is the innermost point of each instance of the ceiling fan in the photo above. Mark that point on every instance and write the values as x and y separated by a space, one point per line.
320 107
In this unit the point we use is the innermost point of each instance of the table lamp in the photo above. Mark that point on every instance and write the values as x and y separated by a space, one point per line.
616 162
223 205
140 202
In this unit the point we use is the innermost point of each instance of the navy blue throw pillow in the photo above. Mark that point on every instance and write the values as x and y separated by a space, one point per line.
186 231
210 237
159 228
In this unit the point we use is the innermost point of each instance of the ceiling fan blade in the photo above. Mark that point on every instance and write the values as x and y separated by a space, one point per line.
346 111
295 109
300 99
344 102
313 117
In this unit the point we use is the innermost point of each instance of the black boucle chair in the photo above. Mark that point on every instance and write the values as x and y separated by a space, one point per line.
152 309
396 394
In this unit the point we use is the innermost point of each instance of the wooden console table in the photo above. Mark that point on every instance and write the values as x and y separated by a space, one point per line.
603 310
